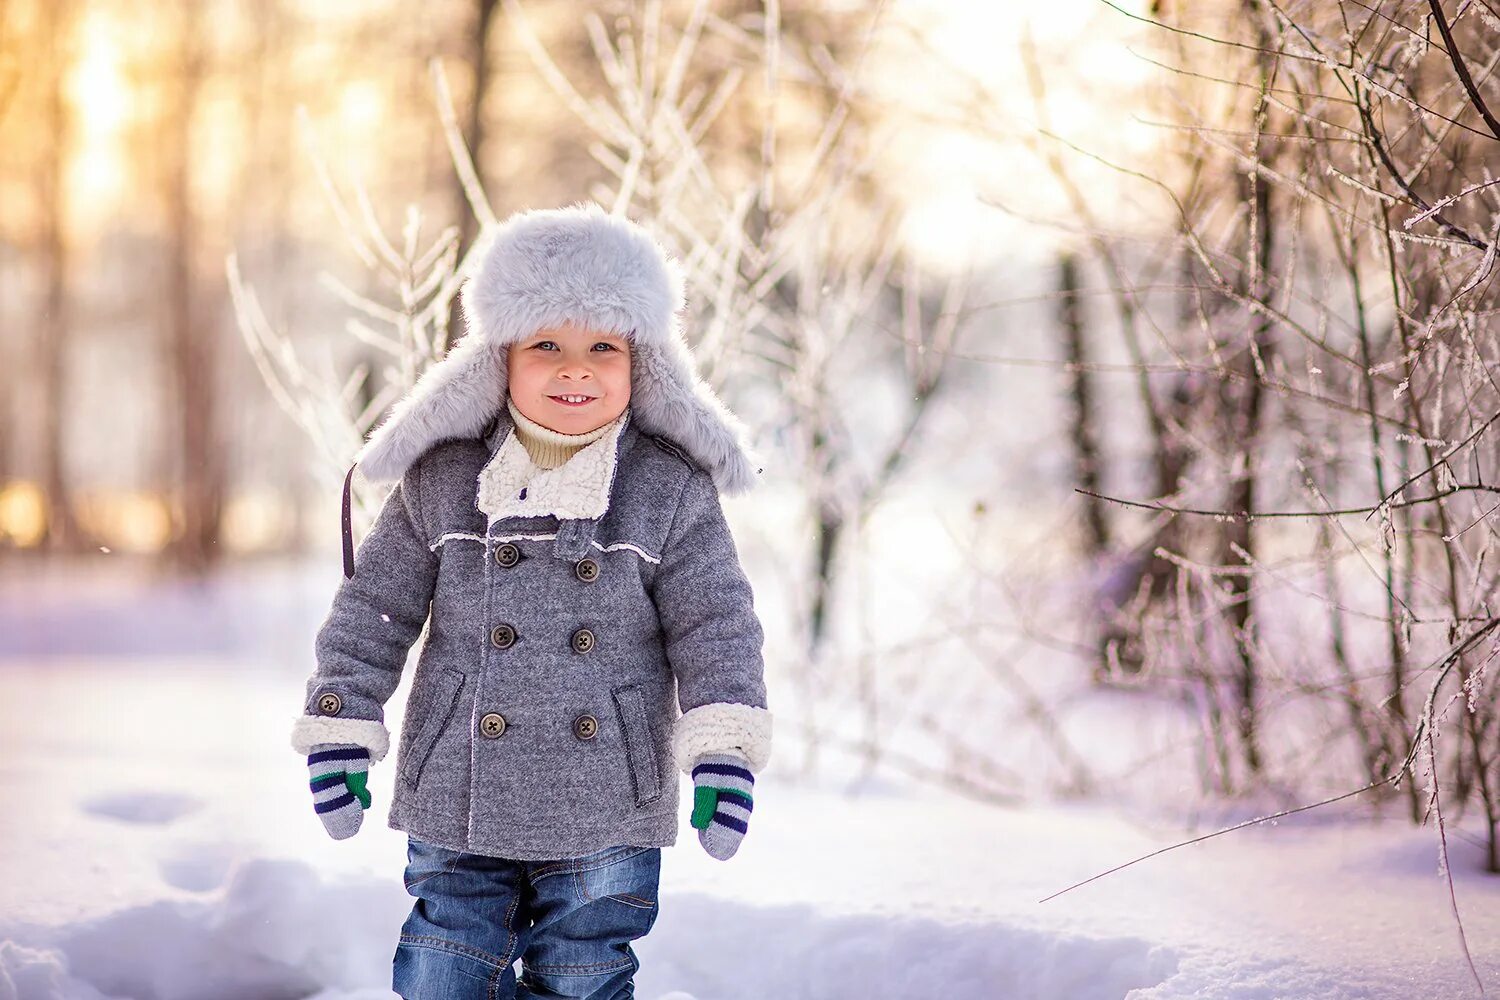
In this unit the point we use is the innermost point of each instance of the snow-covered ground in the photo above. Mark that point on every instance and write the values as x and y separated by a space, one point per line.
157 842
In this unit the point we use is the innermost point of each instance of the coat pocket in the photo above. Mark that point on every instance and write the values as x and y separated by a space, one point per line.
640 748
439 710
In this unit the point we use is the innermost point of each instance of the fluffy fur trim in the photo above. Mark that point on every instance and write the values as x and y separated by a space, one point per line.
719 727
670 400
578 264
577 489
310 730
455 398
544 268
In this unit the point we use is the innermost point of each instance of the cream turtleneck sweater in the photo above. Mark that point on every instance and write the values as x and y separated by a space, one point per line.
549 448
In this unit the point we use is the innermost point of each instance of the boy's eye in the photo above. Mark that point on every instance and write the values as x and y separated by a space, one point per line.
547 344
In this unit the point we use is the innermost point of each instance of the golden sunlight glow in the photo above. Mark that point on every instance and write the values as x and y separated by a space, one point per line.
218 155
257 521
127 521
1090 81
139 522
361 105
23 515
101 99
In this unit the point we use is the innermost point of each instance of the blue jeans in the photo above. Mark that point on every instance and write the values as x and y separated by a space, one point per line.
570 921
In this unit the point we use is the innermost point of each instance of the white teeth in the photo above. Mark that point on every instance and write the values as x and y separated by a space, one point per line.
573 399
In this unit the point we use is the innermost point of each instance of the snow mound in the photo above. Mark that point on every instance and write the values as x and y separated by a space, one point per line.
822 954
39 974
274 931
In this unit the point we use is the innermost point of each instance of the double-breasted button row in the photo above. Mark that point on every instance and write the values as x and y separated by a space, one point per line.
508 555
504 636
585 727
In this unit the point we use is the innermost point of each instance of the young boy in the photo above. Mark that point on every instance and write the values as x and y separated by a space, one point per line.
556 527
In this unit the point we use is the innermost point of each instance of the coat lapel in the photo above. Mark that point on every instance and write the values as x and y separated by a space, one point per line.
512 485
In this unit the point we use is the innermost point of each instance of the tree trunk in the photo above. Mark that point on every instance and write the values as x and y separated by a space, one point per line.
1245 432
192 338
54 332
474 136
1084 433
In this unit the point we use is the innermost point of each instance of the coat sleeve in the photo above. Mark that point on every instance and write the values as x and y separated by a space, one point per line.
376 617
711 634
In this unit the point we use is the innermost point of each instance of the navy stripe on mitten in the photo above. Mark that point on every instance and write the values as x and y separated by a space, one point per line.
337 775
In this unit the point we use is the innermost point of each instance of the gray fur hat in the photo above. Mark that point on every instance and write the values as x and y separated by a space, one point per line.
579 265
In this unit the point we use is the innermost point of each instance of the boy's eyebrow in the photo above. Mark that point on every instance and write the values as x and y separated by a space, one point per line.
593 338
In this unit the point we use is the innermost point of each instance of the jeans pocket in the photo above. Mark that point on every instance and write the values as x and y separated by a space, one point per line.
628 873
640 747
434 719
424 860
633 899
634 882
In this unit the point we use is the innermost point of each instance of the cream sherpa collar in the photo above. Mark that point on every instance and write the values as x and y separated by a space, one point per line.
512 485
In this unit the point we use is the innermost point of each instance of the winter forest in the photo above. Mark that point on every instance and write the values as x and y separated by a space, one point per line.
1126 539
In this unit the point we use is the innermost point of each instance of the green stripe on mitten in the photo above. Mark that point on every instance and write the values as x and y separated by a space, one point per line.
338 774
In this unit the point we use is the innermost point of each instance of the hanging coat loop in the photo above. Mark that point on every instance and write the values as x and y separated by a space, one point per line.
348 531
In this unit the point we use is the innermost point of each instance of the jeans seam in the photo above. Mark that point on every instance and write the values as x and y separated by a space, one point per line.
631 900
590 967
510 941
561 867
445 944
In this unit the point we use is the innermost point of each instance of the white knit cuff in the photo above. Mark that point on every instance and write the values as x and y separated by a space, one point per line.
722 727
310 730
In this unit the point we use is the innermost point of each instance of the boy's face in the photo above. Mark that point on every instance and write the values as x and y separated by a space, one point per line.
570 361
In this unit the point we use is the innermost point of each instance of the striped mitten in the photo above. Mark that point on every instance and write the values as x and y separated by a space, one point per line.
337 773
722 783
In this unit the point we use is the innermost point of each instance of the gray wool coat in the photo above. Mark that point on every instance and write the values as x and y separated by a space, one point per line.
543 720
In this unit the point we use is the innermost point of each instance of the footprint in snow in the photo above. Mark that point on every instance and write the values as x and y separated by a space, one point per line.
145 808
199 867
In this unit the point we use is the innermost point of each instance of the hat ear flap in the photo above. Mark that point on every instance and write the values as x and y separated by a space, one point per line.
455 398
668 398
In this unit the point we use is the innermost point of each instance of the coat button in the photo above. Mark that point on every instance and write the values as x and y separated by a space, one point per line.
585 726
587 570
329 703
492 725
503 636
583 641
507 555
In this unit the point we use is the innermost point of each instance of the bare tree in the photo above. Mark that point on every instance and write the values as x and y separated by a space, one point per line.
474 131
1363 160
1085 434
54 333
191 300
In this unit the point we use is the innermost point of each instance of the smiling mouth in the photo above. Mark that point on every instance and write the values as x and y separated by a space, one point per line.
572 399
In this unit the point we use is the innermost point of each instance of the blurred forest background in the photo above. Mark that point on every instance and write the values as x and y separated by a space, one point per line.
972 272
